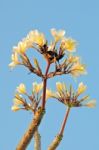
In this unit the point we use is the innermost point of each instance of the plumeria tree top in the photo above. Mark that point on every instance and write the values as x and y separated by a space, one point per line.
61 53
53 53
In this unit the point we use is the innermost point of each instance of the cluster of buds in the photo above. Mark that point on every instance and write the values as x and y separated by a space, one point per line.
70 97
20 99
60 47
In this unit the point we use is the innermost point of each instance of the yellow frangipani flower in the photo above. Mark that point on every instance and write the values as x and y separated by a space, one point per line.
15 108
28 42
91 104
21 89
14 59
18 96
37 87
36 37
33 37
68 44
21 47
73 59
81 88
60 86
18 101
49 93
57 34
77 69
40 40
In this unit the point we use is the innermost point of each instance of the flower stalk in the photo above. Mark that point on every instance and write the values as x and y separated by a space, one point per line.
45 85
64 121
59 137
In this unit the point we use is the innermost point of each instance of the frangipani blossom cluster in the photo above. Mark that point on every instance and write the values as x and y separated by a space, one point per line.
52 52
21 96
70 97
67 96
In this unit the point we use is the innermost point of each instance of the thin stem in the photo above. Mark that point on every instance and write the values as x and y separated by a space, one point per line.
55 143
64 121
45 85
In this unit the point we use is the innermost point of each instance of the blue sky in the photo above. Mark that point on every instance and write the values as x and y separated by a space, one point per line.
80 19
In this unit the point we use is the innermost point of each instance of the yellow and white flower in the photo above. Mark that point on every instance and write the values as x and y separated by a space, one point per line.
81 88
60 86
14 59
73 59
15 108
68 44
36 37
21 89
57 34
37 87
18 101
49 94
21 47
77 69
91 104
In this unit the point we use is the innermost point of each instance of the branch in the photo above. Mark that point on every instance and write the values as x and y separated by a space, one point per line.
37 140
52 74
31 130
60 70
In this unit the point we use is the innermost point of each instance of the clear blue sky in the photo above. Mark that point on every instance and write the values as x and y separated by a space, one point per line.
80 19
